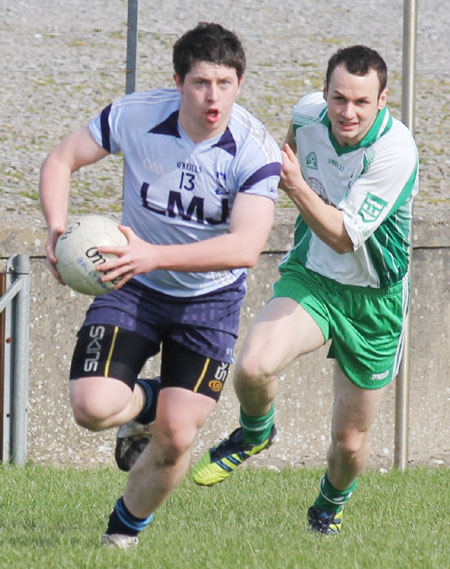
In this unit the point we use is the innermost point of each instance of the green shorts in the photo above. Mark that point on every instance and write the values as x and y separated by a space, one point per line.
365 325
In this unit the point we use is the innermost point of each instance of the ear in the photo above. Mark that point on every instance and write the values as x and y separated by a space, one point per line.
325 90
178 82
240 83
382 99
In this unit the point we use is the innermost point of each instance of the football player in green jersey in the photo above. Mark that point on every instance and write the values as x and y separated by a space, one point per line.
351 170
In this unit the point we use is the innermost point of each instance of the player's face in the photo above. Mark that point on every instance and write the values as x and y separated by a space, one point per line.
353 104
207 96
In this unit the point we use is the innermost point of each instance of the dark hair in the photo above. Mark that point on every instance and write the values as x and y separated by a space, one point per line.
208 42
359 60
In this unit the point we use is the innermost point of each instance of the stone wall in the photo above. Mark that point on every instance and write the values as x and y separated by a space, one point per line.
304 401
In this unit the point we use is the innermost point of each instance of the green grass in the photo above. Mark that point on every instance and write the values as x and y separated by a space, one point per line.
52 518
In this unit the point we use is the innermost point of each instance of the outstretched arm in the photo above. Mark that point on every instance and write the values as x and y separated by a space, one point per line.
78 150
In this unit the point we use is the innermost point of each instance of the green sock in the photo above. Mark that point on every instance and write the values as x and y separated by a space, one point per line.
257 429
331 499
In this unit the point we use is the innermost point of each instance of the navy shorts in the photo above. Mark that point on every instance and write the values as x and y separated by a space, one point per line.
109 351
207 324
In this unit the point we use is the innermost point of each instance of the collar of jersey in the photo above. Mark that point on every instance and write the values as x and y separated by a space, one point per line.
225 140
172 127
381 125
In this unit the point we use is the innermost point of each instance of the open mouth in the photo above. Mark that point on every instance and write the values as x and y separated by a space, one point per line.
212 114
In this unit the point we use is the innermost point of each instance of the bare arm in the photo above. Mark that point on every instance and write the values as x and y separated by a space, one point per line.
78 150
325 220
251 221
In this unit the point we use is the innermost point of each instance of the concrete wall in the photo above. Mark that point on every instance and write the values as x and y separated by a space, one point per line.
304 399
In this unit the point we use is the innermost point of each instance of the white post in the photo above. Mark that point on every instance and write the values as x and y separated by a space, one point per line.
408 117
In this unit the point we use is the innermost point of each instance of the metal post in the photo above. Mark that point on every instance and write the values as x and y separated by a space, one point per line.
2 365
130 72
6 309
409 63
130 78
19 423
16 303
408 117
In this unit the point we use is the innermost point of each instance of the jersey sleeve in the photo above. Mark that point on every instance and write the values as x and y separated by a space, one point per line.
100 129
258 167
389 178
263 180
115 122
310 109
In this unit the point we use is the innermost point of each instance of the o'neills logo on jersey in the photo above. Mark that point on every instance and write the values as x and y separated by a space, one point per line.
189 167
336 164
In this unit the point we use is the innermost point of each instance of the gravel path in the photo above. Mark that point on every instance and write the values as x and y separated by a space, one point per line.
62 62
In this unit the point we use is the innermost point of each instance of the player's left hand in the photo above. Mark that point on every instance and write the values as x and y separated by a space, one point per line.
130 260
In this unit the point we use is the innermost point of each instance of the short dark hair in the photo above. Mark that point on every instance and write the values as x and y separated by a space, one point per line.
208 42
359 60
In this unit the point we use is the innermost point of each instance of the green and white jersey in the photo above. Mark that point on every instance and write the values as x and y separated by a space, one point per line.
373 183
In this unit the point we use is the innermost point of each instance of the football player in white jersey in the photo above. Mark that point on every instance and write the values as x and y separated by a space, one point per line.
352 172
200 182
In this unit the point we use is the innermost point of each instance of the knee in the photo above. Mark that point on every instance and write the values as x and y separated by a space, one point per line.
87 415
174 440
89 412
252 370
350 442
97 402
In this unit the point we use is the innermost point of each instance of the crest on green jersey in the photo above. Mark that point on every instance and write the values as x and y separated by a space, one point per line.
311 161
371 208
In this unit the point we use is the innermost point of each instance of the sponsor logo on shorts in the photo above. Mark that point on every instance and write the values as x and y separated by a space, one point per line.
215 385
380 376
93 349
221 372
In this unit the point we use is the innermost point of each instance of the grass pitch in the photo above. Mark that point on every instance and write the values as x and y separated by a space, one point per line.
52 519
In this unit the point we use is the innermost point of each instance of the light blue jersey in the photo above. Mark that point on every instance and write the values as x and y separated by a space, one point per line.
176 191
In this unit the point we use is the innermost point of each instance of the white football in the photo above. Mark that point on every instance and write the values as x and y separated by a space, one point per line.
78 256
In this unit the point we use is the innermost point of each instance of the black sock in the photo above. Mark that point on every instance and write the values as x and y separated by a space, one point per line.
122 520
151 389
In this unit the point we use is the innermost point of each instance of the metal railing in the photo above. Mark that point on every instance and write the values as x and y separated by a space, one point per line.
14 357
